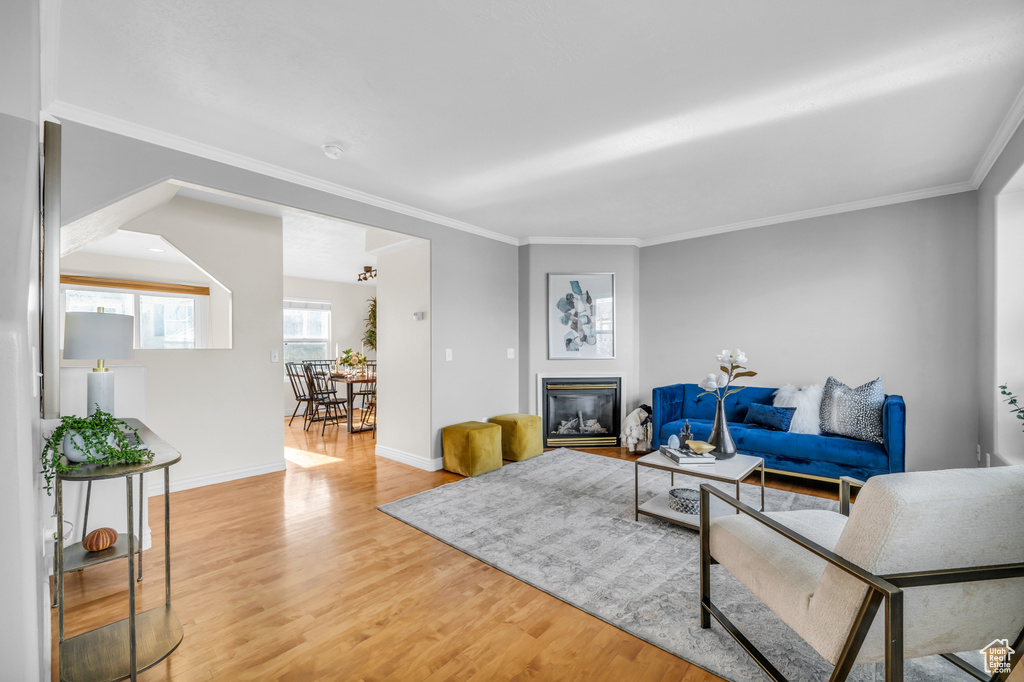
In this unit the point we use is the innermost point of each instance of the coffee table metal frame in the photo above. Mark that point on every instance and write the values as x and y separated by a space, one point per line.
732 470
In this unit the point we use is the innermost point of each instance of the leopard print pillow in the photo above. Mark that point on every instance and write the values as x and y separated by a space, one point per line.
853 412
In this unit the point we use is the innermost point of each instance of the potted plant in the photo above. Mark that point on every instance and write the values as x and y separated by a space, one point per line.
96 439
370 335
352 360
1011 399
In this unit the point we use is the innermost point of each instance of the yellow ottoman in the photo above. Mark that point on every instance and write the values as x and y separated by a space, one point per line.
520 436
471 448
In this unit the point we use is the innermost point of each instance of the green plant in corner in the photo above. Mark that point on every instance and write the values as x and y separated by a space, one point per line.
104 440
1011 399
370 335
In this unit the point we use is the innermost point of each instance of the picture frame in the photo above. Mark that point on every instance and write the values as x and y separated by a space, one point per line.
581 316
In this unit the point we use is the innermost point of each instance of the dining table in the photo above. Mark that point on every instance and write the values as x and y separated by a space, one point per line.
350 380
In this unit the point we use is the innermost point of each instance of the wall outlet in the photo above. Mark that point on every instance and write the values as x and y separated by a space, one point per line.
275 355
979 452
448 354
417 316
511 353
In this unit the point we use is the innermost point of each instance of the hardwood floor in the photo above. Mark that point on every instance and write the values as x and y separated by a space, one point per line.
296 576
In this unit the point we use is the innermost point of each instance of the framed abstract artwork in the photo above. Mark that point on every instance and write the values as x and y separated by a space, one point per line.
581 316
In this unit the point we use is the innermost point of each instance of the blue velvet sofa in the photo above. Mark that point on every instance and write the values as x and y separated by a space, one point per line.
825 456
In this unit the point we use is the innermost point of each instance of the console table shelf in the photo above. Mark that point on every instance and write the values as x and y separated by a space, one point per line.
125 648
104 654
76 557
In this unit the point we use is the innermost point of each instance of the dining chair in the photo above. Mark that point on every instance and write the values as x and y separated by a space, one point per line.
297 377
326 368
368 406
323 396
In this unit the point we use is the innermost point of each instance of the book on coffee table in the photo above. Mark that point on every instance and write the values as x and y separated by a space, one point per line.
685 457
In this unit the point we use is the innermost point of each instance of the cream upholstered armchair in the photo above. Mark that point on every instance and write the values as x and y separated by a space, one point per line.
940 553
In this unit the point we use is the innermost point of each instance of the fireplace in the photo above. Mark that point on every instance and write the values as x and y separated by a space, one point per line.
580 412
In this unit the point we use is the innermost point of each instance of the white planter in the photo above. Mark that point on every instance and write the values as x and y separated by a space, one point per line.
74 447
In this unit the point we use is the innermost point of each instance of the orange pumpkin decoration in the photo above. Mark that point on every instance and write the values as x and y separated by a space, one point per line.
99 539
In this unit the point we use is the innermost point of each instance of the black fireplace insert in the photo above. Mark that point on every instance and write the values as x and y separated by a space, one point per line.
581 412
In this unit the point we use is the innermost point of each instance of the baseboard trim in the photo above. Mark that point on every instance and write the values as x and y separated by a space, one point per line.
998 460
411 460
189 482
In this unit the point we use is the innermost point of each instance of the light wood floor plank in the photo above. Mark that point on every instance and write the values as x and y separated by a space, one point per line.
297 576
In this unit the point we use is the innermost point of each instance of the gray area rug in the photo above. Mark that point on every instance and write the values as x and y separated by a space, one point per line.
563 522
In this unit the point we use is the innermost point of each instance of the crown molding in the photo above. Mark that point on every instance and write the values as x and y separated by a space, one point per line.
60 109
815 213
581 241
1012 121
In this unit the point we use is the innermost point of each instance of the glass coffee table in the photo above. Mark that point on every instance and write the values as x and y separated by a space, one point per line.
731 470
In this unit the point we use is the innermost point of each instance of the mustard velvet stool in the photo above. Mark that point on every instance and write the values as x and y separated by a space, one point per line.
471 448
520 436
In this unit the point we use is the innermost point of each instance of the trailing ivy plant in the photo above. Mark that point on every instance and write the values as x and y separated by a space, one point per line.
1011 399
370 335
96 431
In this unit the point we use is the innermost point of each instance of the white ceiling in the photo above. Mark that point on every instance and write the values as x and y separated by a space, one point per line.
315 247
320 248
541 120
140 245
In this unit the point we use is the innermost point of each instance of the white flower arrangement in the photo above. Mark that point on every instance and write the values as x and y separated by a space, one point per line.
732 367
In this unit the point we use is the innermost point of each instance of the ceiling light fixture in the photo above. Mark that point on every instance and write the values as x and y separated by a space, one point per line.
369 272
153 248
333 150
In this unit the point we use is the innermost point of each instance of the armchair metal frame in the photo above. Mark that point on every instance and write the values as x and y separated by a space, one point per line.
887 589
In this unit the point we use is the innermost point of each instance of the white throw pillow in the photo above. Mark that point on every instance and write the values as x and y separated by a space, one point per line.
807 401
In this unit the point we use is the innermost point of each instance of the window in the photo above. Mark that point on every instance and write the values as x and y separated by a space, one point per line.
162 321
307 330
167 322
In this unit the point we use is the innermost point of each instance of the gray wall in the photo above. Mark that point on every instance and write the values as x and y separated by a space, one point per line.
1005 167
473 279
24 613
1009 446
535 262
887 292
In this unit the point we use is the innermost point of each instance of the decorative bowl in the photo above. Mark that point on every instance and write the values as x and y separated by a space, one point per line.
699 446
684 500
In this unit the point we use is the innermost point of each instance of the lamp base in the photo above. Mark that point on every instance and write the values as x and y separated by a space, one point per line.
100 392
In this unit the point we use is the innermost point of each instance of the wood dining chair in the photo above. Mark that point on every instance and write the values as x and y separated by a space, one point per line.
368 405
297 377
325 405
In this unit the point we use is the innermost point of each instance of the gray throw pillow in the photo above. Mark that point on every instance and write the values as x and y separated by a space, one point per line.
853 412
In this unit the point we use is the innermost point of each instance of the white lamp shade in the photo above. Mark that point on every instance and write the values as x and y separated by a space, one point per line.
98 336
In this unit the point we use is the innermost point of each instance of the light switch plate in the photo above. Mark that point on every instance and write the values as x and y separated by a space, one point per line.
275 355
511 353
448 354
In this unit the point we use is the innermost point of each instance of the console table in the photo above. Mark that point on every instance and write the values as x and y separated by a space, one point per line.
129 646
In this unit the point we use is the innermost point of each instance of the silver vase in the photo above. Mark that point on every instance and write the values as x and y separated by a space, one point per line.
720 437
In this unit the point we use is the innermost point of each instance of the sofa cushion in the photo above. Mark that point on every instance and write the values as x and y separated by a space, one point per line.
807 401
769 416
758 440
823 448
853 412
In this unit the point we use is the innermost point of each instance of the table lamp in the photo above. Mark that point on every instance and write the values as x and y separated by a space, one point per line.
99 336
